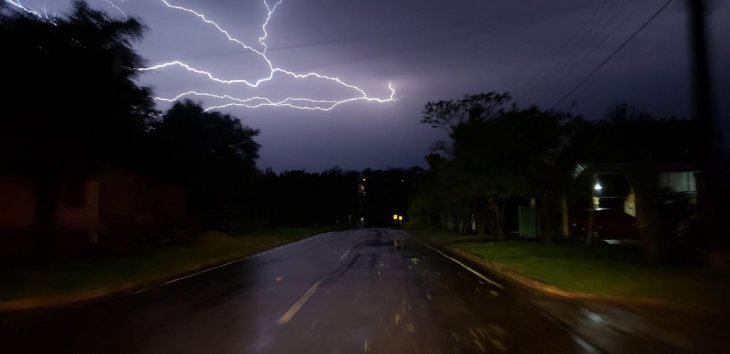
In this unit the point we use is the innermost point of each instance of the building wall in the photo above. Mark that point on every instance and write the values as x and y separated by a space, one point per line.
121 198
130 200
681 181
173 206
17 204
95 205
79 214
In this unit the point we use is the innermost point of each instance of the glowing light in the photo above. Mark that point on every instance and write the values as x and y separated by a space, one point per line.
301 103
598 187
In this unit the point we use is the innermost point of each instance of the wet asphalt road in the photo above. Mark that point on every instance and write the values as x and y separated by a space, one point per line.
343 292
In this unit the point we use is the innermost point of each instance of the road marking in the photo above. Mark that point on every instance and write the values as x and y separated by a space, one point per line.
497 344
490 281
298 305
344 255
585 345
480 346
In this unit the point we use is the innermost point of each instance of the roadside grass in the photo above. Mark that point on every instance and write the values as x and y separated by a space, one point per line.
607 270
123 271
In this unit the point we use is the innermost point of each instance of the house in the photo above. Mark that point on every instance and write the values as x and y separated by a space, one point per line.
612 190
95 208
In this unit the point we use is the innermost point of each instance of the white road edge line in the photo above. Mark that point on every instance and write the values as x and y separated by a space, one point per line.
583 343
298 305
235 261
344 255
480 275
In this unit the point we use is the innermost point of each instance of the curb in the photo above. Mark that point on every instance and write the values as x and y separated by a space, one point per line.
552 290
659 338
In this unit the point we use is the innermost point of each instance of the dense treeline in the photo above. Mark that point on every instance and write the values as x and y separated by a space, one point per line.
306 199
335 197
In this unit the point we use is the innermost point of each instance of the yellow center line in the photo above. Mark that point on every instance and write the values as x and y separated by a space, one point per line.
298 305
344 255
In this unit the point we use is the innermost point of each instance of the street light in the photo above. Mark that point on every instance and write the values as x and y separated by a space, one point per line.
598 187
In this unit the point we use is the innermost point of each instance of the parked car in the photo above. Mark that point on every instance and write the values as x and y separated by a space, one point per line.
608 224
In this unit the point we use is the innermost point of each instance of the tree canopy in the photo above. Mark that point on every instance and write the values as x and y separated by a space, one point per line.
212 154
71 97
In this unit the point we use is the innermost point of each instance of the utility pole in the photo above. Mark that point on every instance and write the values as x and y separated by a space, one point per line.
701 73
710 130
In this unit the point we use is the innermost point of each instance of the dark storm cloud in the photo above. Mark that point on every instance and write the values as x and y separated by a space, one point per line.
431 50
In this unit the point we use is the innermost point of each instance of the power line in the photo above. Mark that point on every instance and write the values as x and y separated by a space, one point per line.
604 62
597 28
589 49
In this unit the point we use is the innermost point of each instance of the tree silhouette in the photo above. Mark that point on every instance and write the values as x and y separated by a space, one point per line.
494 154
212 154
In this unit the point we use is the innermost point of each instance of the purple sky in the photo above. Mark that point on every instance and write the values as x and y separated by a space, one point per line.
430 50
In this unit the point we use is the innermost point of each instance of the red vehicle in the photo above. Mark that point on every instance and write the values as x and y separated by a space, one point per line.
608 224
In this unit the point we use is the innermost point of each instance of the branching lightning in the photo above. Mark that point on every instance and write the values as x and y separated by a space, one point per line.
41 13
114 6
269 12
256 101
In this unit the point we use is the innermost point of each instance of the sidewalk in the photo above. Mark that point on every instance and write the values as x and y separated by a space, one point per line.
616 325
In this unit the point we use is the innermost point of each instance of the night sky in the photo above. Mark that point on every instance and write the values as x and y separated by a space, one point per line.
430 50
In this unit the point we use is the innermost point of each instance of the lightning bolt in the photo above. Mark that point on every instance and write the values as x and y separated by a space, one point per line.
114 6
37 13
300 103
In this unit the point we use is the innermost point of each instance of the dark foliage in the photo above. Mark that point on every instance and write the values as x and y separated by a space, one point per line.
212 155
71 98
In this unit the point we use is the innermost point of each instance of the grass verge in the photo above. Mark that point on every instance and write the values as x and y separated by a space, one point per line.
122 271
605 270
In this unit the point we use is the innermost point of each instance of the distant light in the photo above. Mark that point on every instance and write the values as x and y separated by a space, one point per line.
400 217
598 187
395 216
